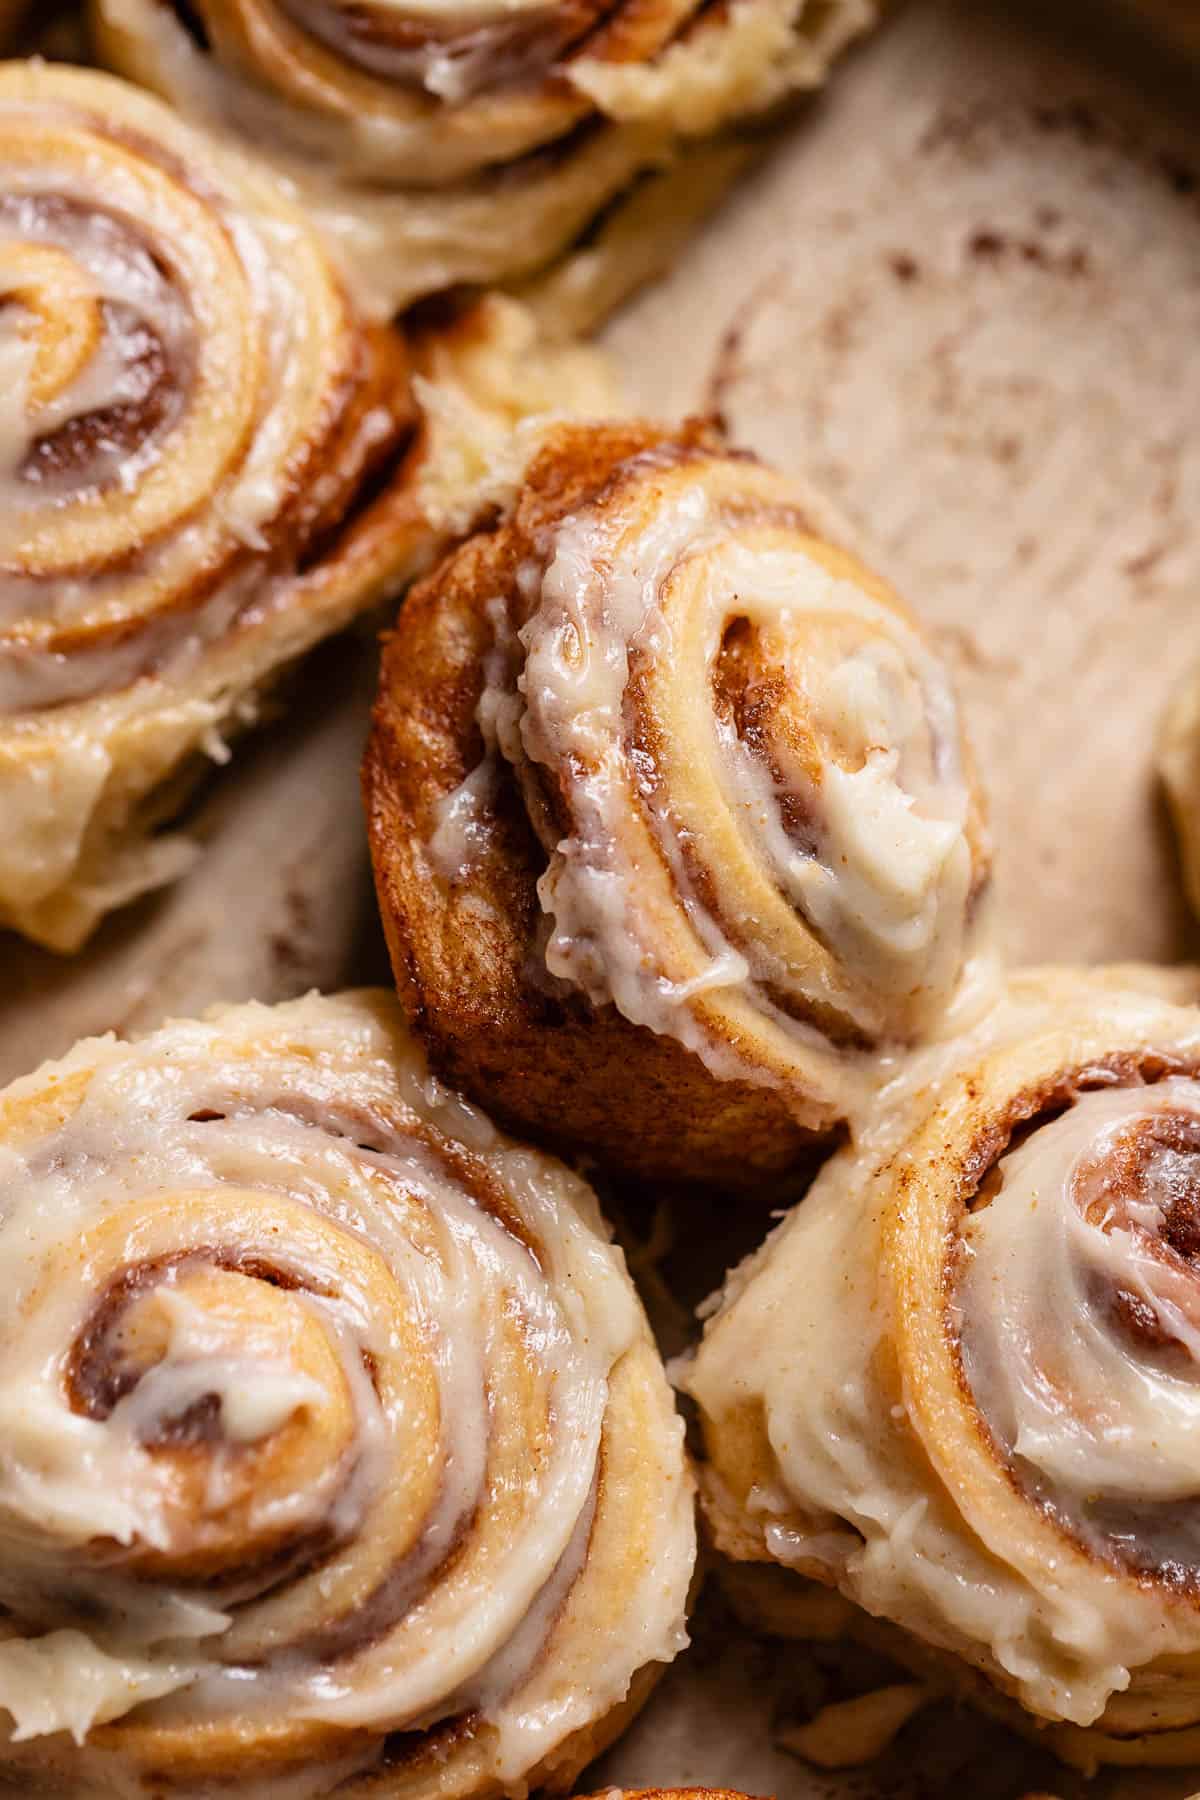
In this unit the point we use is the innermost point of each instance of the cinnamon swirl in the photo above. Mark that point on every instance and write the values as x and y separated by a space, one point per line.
209 466
961 1382
192 410
337 1454
671 811
478 142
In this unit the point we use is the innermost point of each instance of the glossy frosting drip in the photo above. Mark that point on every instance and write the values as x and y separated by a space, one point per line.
1080 1320
968 1397
308 1385
745 764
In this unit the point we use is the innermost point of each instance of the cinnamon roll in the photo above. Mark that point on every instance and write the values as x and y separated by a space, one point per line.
671 811
192 412
337 1455
475 143
961 1382
210 465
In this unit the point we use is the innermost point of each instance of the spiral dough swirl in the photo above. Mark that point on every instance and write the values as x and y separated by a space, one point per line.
996 1445
191 411
335 1446
758 831
450 141
705 692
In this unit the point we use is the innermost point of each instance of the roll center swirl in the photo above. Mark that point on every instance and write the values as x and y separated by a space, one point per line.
1080 1319
706 684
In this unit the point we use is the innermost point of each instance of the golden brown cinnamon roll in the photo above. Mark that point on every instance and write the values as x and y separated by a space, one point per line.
336 1449
671 812
476 142
961 1382
193 413
210 466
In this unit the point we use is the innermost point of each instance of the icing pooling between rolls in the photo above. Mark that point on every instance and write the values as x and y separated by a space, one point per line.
805 786
304 1386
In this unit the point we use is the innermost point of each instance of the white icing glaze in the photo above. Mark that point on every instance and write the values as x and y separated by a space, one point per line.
467 49
1099 1417
460 833
1104 1425
114 252
883 880
421 158
65 1682
502 1328
178 362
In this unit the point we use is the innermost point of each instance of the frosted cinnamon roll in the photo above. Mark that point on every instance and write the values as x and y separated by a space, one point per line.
193 415
337 1455
210 463
671 811
961 1382
448 143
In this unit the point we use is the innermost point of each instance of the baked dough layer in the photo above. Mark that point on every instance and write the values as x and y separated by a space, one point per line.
337 1451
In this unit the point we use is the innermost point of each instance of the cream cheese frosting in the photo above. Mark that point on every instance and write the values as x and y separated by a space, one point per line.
984 1438
845 817
309 1381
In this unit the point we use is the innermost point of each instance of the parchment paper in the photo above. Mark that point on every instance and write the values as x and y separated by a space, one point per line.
964 296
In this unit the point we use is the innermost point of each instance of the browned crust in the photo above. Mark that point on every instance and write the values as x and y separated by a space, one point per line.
689 1793
465 953
407 1760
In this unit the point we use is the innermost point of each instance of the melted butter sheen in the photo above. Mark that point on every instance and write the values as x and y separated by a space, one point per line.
272 1288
